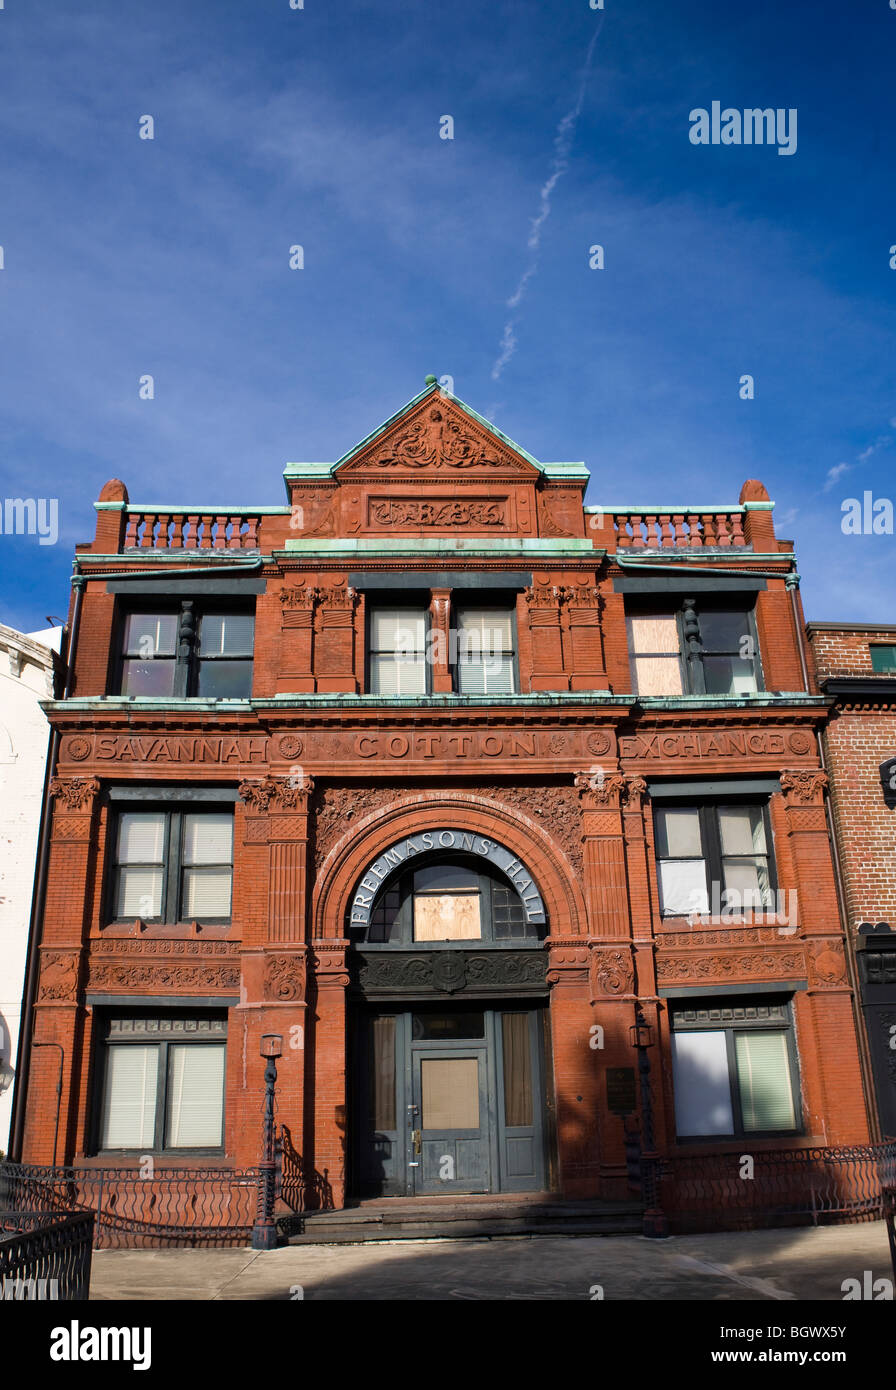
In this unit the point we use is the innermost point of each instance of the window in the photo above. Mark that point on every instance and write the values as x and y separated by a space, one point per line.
449 900
485 651
698 649
883 659
172 865
161 1081
184 652
713 858
398 651
734 1069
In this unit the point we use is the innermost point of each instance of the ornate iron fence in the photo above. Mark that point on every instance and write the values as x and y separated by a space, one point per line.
173 1206
45 1254
705 1192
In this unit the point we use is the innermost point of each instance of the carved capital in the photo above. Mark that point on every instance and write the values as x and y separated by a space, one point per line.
633 792
582 596
543 595
330 963
599 788
298 596
804 787
291 792
74 793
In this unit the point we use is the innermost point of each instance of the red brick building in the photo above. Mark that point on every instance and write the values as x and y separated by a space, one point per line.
856 668
438 774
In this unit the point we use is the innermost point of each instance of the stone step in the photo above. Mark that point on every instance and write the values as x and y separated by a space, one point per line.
465 1221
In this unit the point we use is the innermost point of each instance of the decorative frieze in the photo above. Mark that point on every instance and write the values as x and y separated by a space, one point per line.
728 966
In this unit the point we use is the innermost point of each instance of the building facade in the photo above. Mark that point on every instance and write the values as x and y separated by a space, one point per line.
856 669
29 672
448 780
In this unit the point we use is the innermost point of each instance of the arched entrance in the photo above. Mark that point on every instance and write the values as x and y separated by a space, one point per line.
448 983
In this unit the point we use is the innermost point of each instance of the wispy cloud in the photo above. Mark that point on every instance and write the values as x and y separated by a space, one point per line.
834 473
563 142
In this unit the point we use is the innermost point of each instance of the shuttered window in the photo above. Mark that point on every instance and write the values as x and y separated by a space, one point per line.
485 651
172 866
398 651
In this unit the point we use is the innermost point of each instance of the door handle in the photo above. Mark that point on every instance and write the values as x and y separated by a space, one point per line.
417 1138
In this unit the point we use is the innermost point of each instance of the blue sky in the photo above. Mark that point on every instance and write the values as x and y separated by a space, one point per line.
320 126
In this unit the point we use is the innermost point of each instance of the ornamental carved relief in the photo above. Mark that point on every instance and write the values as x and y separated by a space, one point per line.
827 964
340 596
147 947
436 440
74 792
159 977
78 748
568 962
290 793
543 595
732 936
598 788
804 786
58 975
298 595
395 511
634 791
731 966
284 977
599 743
337 808
582 596
557 808
611 974
449 972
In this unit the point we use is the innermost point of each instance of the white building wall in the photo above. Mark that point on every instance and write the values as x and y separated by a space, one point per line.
26 676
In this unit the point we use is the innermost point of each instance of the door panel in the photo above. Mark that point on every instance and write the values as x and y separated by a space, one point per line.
451 1095
466 1084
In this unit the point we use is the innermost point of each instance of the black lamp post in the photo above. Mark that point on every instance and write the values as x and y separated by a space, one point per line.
264 1232
655 1223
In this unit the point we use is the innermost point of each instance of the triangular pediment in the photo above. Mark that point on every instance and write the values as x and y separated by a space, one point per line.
438 436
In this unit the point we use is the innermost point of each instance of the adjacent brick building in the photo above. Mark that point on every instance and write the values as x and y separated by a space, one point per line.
442 776
856 667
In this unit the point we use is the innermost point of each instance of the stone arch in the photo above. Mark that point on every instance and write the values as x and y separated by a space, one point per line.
549 867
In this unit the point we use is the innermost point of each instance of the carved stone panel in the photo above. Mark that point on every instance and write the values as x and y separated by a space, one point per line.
428 974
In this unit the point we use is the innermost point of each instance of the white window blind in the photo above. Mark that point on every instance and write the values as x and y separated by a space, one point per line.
207 857
129 1098
397 651
195 1108
682 869
141 837
701 1084
763 1070
150 634
485 651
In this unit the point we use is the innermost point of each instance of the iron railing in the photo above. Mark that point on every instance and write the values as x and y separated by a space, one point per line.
706 1192
172 1206
45 1254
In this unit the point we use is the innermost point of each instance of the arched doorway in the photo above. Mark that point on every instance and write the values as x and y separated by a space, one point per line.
447 1019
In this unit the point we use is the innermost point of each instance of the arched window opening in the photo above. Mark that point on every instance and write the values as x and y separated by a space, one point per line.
447 899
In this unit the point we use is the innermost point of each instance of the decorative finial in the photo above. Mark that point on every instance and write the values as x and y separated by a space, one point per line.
431 380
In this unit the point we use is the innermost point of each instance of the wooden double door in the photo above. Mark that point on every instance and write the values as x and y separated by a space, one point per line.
448 1099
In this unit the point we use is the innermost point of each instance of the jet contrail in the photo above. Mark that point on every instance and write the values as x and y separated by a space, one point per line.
563 140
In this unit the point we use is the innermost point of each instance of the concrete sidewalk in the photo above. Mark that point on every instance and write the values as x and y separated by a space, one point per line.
755 1265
